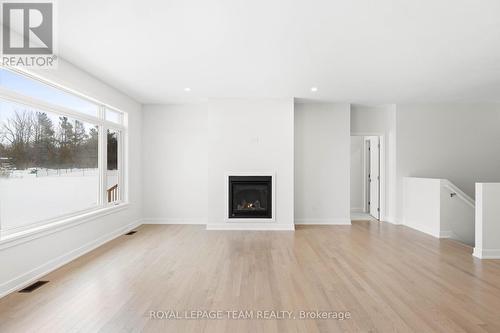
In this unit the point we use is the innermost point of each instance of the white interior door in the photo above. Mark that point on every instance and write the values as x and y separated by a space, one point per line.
374 177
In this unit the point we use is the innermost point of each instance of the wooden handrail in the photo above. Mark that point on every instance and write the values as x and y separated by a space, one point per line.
113 193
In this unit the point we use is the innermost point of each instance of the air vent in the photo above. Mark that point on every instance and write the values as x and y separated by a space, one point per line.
130 232
33 286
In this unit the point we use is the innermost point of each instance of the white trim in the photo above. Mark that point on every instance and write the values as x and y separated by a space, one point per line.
362 217
61 110
29 277
47 229
383 171
382 177
175 220
126 160
323 221
26 228
365 173
486 253
37 77
442 234
392 220
102 152
424 229
120 165
251 226
447 234
368 133
271 174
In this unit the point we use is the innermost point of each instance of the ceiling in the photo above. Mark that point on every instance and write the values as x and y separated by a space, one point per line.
368 52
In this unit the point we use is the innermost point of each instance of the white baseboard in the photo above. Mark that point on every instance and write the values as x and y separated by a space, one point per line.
423 229
447 234
486 253
251 226
27 278
361 217
442 234
174 221
391 220
333 221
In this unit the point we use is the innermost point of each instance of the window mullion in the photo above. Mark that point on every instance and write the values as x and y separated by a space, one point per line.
44 106
102 160
120 168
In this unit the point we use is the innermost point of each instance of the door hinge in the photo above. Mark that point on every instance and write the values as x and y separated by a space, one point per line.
378 209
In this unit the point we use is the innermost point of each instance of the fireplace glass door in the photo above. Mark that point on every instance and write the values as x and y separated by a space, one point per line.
250 197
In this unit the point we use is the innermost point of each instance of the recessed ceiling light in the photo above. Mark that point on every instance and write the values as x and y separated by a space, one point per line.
314 89
187 89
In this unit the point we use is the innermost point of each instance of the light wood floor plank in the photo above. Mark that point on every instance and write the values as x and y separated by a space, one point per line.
390 278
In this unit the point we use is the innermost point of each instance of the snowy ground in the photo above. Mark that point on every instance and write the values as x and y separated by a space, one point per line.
27 198
42 172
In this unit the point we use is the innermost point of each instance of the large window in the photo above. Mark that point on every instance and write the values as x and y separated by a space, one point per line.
61 154
47 93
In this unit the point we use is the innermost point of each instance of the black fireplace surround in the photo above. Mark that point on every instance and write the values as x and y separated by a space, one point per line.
250 197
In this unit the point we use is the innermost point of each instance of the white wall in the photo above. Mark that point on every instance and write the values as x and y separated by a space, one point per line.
455 142
487 221
428 207
380 121
250 136
175 163
357 174
51 250
322 162
422 204
457 217
200 143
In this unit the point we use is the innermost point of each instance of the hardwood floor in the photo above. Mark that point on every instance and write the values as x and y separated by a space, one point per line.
389 278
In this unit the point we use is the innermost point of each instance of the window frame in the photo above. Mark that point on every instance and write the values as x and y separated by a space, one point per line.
102 207
119 168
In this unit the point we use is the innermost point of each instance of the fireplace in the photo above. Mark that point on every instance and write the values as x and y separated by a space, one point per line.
250 197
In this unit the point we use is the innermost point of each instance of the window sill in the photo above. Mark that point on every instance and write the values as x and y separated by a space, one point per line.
47 229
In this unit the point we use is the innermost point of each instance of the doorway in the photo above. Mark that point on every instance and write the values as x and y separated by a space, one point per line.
366 176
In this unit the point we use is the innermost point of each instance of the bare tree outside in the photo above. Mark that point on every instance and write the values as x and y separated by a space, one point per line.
48 161
31 139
